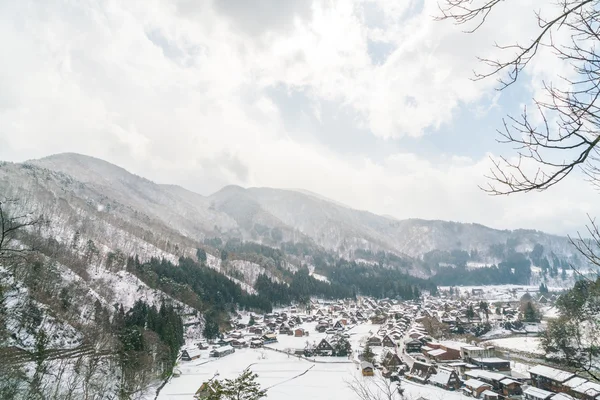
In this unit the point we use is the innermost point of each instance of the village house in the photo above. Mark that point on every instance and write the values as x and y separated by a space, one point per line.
387 341
413 346
492 363
562 396
204 391
510 387
534 393
222 351
548 378
189 354
374 341
300 332
420 372
586 391
269 338
489 395
475 387
446 378
390 360
468 353
367 368
461 367
324 348
493 378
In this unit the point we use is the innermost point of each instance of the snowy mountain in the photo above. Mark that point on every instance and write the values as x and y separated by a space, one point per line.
271 216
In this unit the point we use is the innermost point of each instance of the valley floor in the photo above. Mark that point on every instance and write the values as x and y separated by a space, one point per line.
287 377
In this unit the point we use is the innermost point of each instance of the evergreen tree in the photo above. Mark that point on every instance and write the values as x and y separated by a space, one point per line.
563 274
244 387
211 326
485 308
543 288
367 354
252 321
342 348
201 255
530 314
470 314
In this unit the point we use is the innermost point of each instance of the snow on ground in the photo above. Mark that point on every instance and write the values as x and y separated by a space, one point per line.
495 293
285 377
550 312
522 344
318 277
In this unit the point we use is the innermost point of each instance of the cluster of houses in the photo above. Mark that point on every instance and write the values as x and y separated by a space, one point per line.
480 375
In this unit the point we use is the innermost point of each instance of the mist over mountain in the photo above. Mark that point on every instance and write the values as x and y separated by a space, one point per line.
272 216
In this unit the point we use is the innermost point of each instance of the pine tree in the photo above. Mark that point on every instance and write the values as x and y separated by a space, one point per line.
244 387
367 354
530 314
252 321
211 326
201 255
470 312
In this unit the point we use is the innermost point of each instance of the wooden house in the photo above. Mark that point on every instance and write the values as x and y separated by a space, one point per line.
391 360
586 391
222 351
300 332
413 346
204 391
189 354
269 338
475 387
420 372
551 379
374 341
446 378
489 395
534 393
367 368
324 348
387 341
492 364
510 387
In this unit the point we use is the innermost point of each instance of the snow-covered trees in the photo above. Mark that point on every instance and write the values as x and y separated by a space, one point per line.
244 387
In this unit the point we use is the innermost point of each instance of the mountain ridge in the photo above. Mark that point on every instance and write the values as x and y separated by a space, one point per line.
272 216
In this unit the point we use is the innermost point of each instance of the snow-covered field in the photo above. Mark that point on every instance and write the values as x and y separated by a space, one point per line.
499 292
522 344
285 377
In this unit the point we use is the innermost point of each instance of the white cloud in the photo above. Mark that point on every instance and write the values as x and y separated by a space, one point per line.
179 92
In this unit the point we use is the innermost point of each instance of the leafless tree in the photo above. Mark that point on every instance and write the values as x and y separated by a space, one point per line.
562 133
561 136
375 388
12 222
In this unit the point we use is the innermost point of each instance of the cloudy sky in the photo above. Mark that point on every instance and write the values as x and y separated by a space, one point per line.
367 102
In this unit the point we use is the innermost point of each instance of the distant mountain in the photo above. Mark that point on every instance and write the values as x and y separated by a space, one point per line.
271 216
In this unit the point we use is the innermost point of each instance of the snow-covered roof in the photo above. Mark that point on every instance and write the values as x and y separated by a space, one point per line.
475 383
478 373
436 352
588 388
574 382
537 393
489 393
562 396
551 373
491 360
442 377
508 381
452 345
